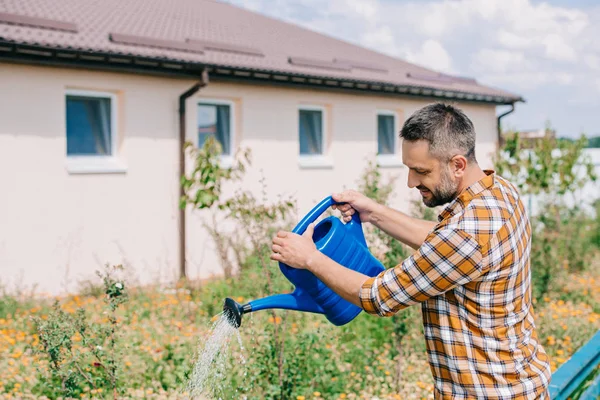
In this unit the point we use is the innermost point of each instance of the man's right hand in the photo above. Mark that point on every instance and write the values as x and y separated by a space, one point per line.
354 201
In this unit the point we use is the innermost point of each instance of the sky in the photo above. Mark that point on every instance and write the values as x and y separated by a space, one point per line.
545 51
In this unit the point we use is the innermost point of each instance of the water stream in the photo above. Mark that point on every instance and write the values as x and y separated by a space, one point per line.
210 368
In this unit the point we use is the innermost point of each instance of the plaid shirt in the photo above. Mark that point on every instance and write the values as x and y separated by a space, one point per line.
473 279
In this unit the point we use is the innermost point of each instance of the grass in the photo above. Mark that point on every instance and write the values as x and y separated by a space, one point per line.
161 327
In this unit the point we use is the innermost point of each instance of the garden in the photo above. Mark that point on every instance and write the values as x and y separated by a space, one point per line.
111 340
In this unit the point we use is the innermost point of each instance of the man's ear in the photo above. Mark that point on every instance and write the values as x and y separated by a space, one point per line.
458 165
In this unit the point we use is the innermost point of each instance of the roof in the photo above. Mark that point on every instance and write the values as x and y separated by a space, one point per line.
215 34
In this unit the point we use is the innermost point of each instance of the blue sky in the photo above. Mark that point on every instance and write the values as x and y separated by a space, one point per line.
546 51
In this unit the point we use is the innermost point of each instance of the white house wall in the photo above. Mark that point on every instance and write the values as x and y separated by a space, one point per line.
57 228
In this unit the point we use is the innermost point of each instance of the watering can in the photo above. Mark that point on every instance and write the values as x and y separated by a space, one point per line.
345 244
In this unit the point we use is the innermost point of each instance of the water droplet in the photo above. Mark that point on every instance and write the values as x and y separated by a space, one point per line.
211 364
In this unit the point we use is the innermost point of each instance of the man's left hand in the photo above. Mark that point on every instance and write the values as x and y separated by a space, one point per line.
293 249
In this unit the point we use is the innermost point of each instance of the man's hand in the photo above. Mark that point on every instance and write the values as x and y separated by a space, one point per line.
297 251
354 202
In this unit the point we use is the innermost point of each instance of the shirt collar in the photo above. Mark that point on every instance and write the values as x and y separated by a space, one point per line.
468 194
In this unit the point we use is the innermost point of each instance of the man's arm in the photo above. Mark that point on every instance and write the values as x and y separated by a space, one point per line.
410 231
448 258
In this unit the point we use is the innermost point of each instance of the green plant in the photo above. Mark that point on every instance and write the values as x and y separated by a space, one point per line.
372 185
258 219
82 353
203 186
551 169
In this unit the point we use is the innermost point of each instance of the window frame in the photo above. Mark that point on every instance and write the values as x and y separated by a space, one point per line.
387 160
322 160
90 164
226 159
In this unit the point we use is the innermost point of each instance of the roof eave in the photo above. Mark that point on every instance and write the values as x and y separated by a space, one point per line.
37 54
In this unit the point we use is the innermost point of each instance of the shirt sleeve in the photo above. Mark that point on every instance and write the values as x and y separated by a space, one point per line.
448 258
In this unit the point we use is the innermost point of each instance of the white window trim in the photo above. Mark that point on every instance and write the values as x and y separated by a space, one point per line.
315 161
92 164
387 160
226 159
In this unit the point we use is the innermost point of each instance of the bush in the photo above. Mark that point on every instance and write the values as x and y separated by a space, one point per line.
82 354
563 237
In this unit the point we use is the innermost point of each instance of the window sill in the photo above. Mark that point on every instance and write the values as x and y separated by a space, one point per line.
95 165
315 162
389 161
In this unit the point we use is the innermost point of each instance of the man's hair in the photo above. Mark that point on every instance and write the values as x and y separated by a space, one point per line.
447 129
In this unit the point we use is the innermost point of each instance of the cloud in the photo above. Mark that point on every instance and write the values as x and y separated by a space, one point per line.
431 54
381 38
558 49
500 61
547 53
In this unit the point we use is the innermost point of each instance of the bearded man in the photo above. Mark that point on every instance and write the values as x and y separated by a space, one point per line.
470 271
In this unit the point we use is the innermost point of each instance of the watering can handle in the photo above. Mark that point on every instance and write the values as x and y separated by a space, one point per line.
320 209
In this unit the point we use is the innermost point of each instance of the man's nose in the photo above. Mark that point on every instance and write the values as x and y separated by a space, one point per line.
413 181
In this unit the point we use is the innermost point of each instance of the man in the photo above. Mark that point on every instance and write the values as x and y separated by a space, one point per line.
470 271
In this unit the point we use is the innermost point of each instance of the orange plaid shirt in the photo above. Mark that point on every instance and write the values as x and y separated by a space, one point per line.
473 279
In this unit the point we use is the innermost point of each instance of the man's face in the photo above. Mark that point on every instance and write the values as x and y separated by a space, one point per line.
425 172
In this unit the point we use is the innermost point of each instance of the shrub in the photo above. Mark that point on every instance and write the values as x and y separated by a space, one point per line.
80 353
562 236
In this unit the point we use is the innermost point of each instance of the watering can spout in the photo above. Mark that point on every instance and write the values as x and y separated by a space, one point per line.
296 301
233 311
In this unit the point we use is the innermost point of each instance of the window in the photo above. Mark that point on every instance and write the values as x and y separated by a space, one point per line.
312 135
387 148
91 132
386 134
89 125
214 119
311 132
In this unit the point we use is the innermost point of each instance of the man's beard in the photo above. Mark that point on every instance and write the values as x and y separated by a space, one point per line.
446 191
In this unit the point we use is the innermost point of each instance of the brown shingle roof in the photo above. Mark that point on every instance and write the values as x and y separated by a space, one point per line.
214 33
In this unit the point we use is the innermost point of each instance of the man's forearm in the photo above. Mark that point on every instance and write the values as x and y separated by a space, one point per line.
410 231
343 281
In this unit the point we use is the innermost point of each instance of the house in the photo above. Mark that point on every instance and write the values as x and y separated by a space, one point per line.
93 94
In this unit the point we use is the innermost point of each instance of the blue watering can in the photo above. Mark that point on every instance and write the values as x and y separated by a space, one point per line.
345 244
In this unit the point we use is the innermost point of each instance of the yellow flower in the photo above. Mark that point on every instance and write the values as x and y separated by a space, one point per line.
343 396
317 394
300 398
